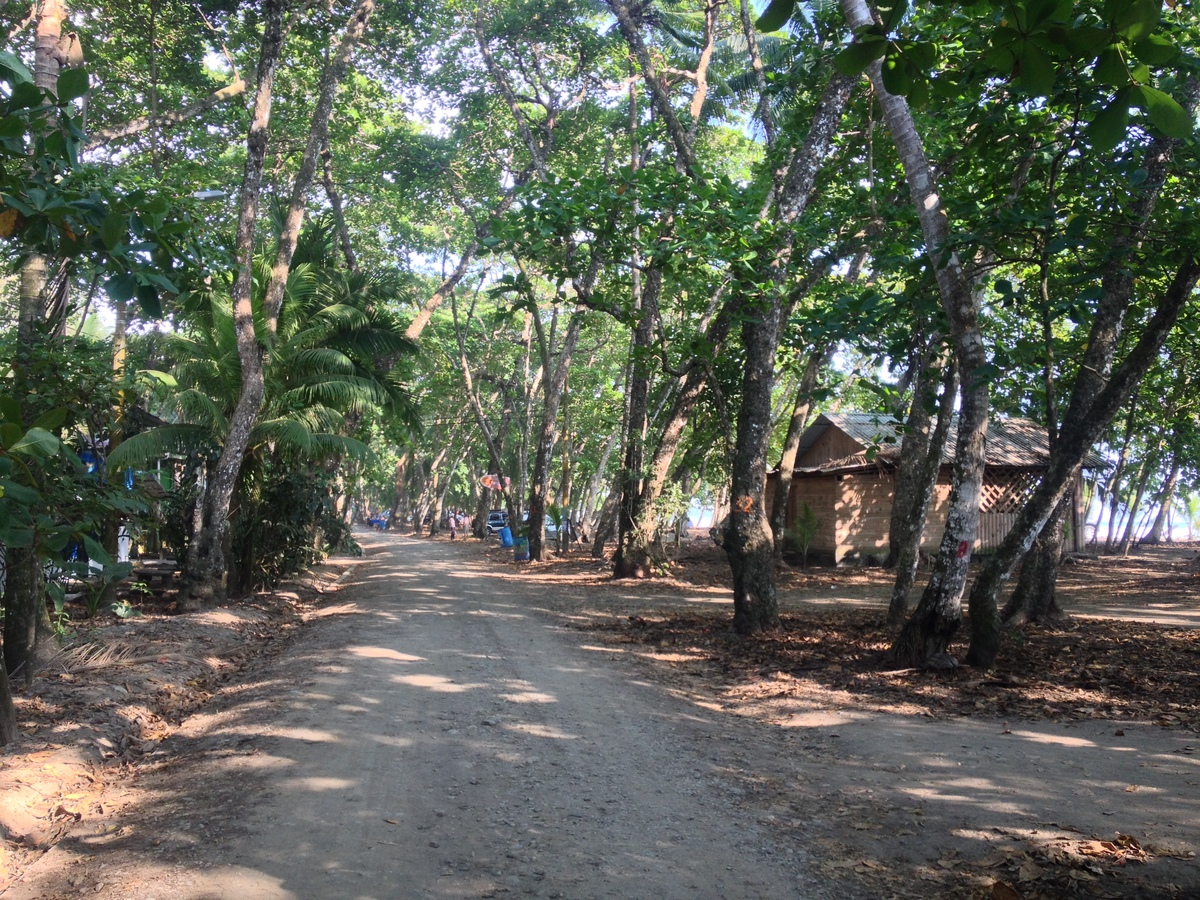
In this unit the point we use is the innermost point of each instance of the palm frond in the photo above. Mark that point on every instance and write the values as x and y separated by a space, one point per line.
155 443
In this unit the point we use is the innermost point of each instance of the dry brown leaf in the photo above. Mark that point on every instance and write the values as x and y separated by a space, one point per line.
1029 871
1002 891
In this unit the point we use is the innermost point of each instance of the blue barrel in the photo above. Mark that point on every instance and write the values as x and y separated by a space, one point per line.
521 549
506 537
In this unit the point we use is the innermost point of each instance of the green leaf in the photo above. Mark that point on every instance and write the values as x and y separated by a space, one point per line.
1156 50
147 295
855 58
892 13
896 76
10 410
14 70
18 493
1137 18
121 287
775 15
114 230
1108 128
96 551
26 95
53 420
72 83
1110 67
36 442
1165 114
10 433
1037 70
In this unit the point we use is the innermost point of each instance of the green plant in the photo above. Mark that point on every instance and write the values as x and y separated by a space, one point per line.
96 588
802 532
123 610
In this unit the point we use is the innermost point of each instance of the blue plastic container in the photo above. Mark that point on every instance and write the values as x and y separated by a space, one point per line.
521 549
506 539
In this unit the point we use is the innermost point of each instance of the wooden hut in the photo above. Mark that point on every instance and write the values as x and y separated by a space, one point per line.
845 472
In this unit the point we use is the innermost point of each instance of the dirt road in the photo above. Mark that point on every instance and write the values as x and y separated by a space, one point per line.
445 734
437 737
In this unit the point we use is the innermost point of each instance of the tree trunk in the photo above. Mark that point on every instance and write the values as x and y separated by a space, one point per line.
205 569
8 712
923 484
1114 485
318 133
26 619
1082 426
748 541
634 557
791 445
1160 527
24 607
1131 523
1035 597
914 450
927 634
552 390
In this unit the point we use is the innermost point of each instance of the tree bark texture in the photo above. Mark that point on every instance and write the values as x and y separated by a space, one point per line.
791 444
634 558
552 390
1082 427
24 608
748 542
1159 530
205 568
318 135
927 634
926 465
1035 599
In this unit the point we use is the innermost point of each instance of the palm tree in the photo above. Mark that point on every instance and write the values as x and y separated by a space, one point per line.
332 359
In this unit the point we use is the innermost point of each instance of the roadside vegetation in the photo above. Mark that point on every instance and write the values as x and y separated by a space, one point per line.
276 269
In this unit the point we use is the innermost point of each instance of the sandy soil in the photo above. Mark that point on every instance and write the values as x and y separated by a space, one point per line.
452 725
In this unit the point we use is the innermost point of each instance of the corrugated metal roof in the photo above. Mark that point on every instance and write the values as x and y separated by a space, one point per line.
1020 443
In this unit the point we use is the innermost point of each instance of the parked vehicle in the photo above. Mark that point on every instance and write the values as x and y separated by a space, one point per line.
497 519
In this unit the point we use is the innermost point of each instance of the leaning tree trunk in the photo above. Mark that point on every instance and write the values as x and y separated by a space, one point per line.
791 445
1136 506
1082 427
1035 598
1159 528
553 388
205 569
919 494
927 634
1097 394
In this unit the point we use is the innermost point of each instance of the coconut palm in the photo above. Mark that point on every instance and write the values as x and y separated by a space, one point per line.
333 358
